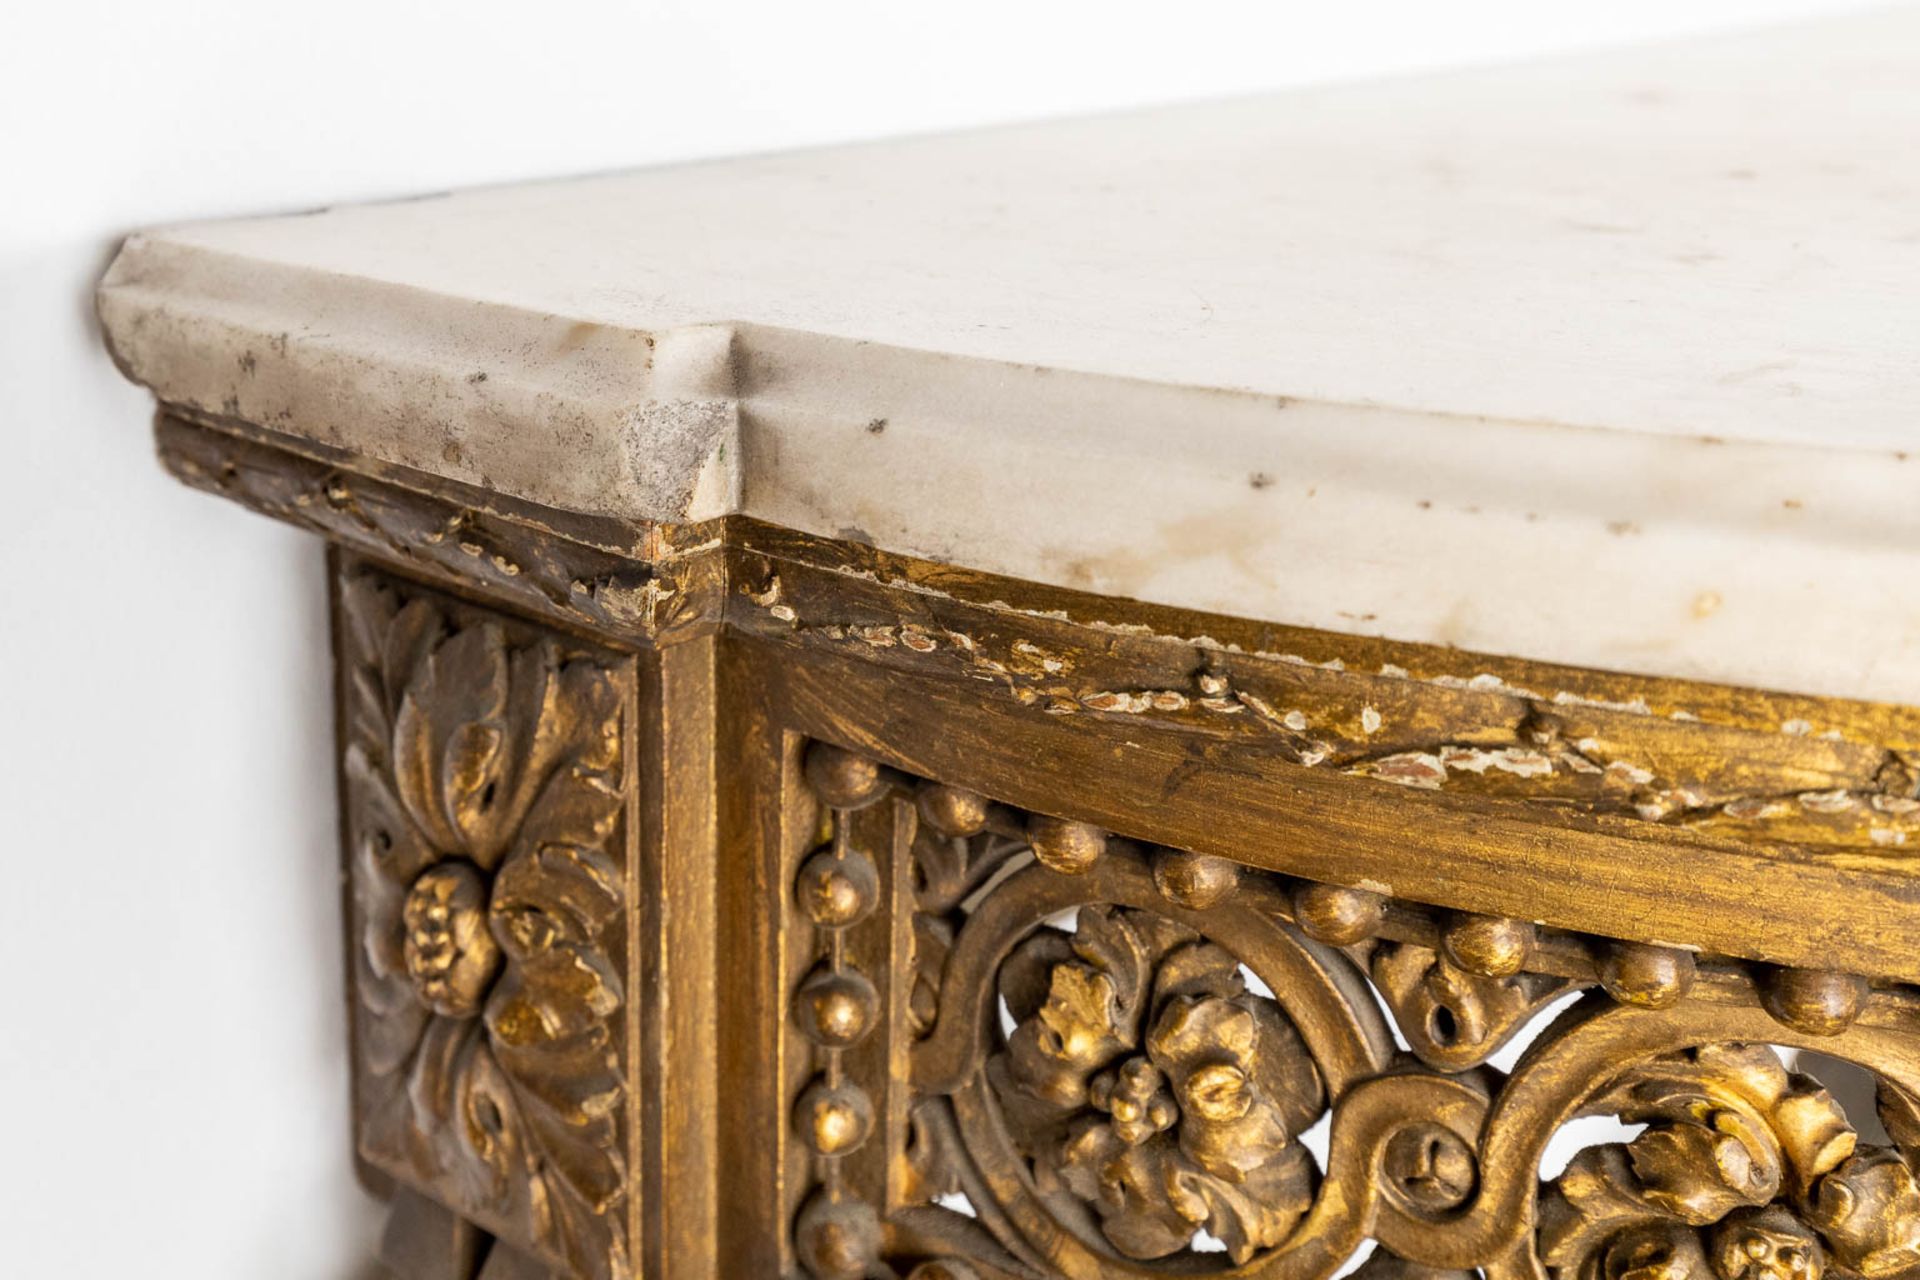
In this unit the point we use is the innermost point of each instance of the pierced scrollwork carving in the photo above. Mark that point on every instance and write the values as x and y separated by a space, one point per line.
1451 1017
954 856
1144 1079
1745 1171
485 788
1117 1051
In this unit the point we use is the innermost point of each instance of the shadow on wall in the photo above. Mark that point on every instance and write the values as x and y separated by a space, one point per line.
166 690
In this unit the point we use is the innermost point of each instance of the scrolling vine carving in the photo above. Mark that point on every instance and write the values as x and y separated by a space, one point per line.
1451 1017
485 788
1116 1050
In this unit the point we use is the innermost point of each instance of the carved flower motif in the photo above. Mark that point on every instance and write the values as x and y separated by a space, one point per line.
1148 1083
485 783
1744 1172
450 952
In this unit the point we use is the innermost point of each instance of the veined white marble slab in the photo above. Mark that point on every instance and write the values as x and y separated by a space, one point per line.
1611 361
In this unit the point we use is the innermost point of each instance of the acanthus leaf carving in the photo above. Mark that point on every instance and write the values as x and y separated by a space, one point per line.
1745 1171
1868 1212
485 786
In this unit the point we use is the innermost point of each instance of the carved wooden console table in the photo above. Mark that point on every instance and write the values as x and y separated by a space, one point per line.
865 747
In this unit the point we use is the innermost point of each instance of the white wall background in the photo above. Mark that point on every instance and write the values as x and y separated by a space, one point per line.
172 1094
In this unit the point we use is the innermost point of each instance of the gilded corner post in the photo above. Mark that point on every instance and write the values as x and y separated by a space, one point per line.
529 832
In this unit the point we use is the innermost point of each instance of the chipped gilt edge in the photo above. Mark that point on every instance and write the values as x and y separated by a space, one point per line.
1765 788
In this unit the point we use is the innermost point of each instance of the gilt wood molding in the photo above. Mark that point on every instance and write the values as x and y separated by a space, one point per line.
1563 795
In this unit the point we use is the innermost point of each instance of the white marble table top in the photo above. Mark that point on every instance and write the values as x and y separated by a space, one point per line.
1612 361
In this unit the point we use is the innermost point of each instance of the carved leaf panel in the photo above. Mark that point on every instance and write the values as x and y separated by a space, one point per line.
486 792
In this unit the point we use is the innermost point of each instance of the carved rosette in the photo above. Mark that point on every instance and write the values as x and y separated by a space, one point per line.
485 789
1745 1171
1144 1079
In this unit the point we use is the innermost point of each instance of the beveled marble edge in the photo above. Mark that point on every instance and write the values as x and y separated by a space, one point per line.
577 416
1771 566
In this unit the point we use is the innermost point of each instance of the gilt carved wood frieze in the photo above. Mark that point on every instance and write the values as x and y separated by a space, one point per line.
731 902
1114 1050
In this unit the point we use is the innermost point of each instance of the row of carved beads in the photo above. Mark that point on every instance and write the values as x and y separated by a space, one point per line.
838 1235
836 1006
1817 1002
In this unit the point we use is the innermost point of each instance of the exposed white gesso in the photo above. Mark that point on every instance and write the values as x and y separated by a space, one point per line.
172 1059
